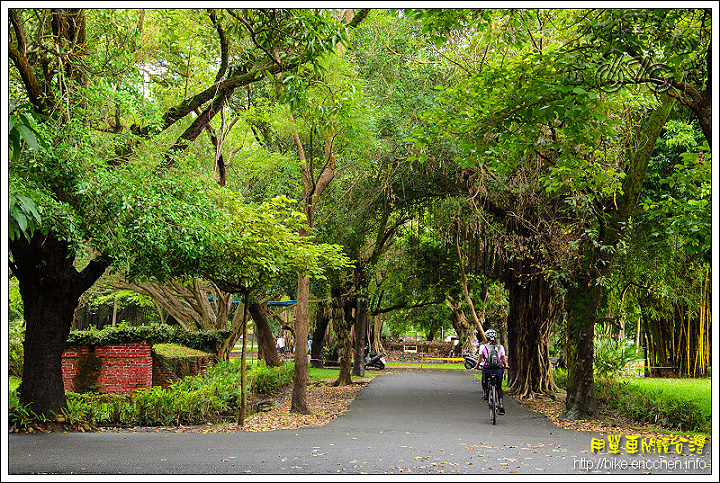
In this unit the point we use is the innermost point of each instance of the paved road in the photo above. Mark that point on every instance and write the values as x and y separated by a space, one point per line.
420 422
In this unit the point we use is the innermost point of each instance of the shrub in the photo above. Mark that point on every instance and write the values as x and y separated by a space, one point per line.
214 394
153 407
211 395
267 380
612 355
560 377
20 415
98 409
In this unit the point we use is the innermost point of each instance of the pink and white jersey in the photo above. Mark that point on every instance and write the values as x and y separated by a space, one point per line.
501 352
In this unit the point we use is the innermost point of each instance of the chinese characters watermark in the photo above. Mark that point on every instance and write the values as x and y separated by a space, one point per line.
655 445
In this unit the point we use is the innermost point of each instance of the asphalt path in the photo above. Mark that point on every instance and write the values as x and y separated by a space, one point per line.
420 422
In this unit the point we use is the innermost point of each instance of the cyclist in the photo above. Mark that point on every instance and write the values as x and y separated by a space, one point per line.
488 369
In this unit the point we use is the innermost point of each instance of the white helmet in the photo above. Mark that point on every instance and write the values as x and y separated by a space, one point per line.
491 334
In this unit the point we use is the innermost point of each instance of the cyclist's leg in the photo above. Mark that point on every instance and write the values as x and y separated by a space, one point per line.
492 400
499 380
484 383
501 406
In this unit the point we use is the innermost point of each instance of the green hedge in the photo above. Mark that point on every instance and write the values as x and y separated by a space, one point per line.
177 359
202 340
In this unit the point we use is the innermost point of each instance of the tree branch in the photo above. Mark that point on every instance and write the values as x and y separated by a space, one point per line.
224 47
404 305
91 273
17 54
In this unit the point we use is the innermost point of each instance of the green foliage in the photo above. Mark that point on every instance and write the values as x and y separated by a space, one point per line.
697 391
662 405
203 340
21 416
22 129
23 214
222 381
15 303
172 227
122 297
429 319
88 188
675 38
682 205
440 23
170 351
612 355
560 375
16 336
208 397
267 380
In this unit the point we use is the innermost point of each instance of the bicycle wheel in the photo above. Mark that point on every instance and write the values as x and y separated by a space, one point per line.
492 401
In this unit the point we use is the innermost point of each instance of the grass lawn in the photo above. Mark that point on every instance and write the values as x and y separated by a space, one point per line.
697 391
318 374
427 365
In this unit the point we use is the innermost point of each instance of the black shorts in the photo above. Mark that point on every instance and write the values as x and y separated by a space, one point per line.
487 371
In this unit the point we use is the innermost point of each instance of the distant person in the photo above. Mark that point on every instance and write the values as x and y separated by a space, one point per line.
281 345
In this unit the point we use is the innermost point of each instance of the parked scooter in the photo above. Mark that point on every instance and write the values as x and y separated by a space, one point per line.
470 360
374 359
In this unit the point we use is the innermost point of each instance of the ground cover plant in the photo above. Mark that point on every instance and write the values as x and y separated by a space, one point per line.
698 391
324 374
212 396
678 404
681 404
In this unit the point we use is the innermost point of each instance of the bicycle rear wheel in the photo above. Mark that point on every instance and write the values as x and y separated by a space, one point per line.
492 400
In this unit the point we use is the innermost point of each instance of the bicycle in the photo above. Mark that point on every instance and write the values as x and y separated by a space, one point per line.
493 401
493 398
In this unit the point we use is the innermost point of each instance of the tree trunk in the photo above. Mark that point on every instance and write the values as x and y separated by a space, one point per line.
229 342
188 302
377 345
243 361
581 302
300 375
341 335
50 287
532 309
360 336
322 319
267 349
461 326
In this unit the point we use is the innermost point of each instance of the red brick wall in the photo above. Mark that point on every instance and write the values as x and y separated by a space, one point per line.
117 368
